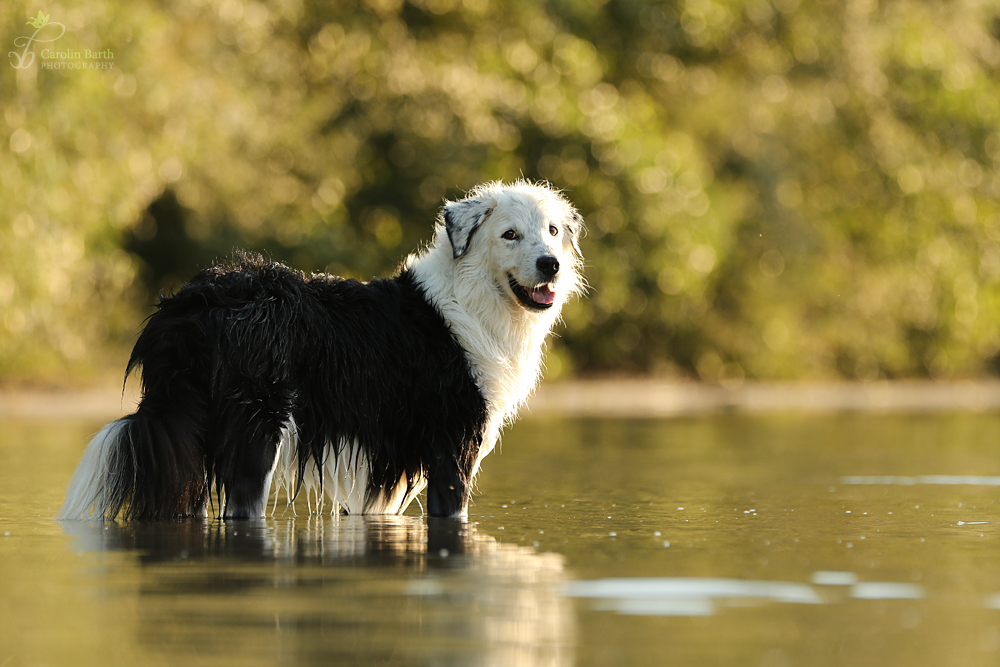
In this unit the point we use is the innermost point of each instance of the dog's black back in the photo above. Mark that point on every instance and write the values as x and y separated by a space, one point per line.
249 346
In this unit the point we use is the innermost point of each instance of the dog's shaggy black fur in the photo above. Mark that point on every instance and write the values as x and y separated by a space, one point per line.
254 372
249 347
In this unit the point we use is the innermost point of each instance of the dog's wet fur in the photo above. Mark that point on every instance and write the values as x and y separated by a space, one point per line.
363 393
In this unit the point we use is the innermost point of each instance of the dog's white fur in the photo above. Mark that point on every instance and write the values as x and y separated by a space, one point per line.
503 340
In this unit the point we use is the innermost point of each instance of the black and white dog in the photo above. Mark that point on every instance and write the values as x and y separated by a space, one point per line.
362 392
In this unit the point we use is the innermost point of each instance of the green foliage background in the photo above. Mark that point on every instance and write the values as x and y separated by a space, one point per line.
776 189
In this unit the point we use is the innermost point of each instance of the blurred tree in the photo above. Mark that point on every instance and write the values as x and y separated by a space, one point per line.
774 189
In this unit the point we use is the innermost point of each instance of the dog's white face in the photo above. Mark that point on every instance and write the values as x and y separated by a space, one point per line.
525 237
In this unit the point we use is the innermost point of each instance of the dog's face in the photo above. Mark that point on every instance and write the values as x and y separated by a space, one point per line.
525 236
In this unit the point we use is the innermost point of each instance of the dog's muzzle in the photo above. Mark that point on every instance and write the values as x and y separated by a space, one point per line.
532 298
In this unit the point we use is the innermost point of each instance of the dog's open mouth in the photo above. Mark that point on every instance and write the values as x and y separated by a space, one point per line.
533 298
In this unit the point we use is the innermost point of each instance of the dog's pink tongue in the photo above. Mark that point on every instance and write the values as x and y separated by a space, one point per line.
543 294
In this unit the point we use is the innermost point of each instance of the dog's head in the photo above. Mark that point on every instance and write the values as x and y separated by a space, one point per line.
525 236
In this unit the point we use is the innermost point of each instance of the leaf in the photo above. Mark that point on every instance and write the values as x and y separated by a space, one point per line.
39 21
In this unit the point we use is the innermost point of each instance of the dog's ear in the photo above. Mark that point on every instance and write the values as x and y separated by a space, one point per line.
462 219
576 229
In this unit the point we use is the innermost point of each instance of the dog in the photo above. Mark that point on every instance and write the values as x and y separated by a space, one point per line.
365 393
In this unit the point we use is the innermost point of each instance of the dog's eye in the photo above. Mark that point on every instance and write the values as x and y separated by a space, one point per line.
510 235
553 230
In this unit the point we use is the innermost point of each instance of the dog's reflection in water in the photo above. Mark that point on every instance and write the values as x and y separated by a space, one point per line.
394 590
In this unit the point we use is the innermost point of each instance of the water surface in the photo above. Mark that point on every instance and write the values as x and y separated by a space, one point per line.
845 539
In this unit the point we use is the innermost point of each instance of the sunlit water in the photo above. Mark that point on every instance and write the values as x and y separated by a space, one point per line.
722 540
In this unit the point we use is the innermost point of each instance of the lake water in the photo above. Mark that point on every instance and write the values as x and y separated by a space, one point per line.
841 539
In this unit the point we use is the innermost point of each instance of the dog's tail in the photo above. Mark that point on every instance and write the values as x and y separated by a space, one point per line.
141 467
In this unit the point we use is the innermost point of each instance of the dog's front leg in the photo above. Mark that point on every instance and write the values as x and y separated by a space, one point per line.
447 489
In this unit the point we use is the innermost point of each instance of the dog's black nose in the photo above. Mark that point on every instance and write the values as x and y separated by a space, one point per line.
548 266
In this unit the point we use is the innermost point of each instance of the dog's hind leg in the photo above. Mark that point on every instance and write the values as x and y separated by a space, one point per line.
248 493
448 488
246 480
248 436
